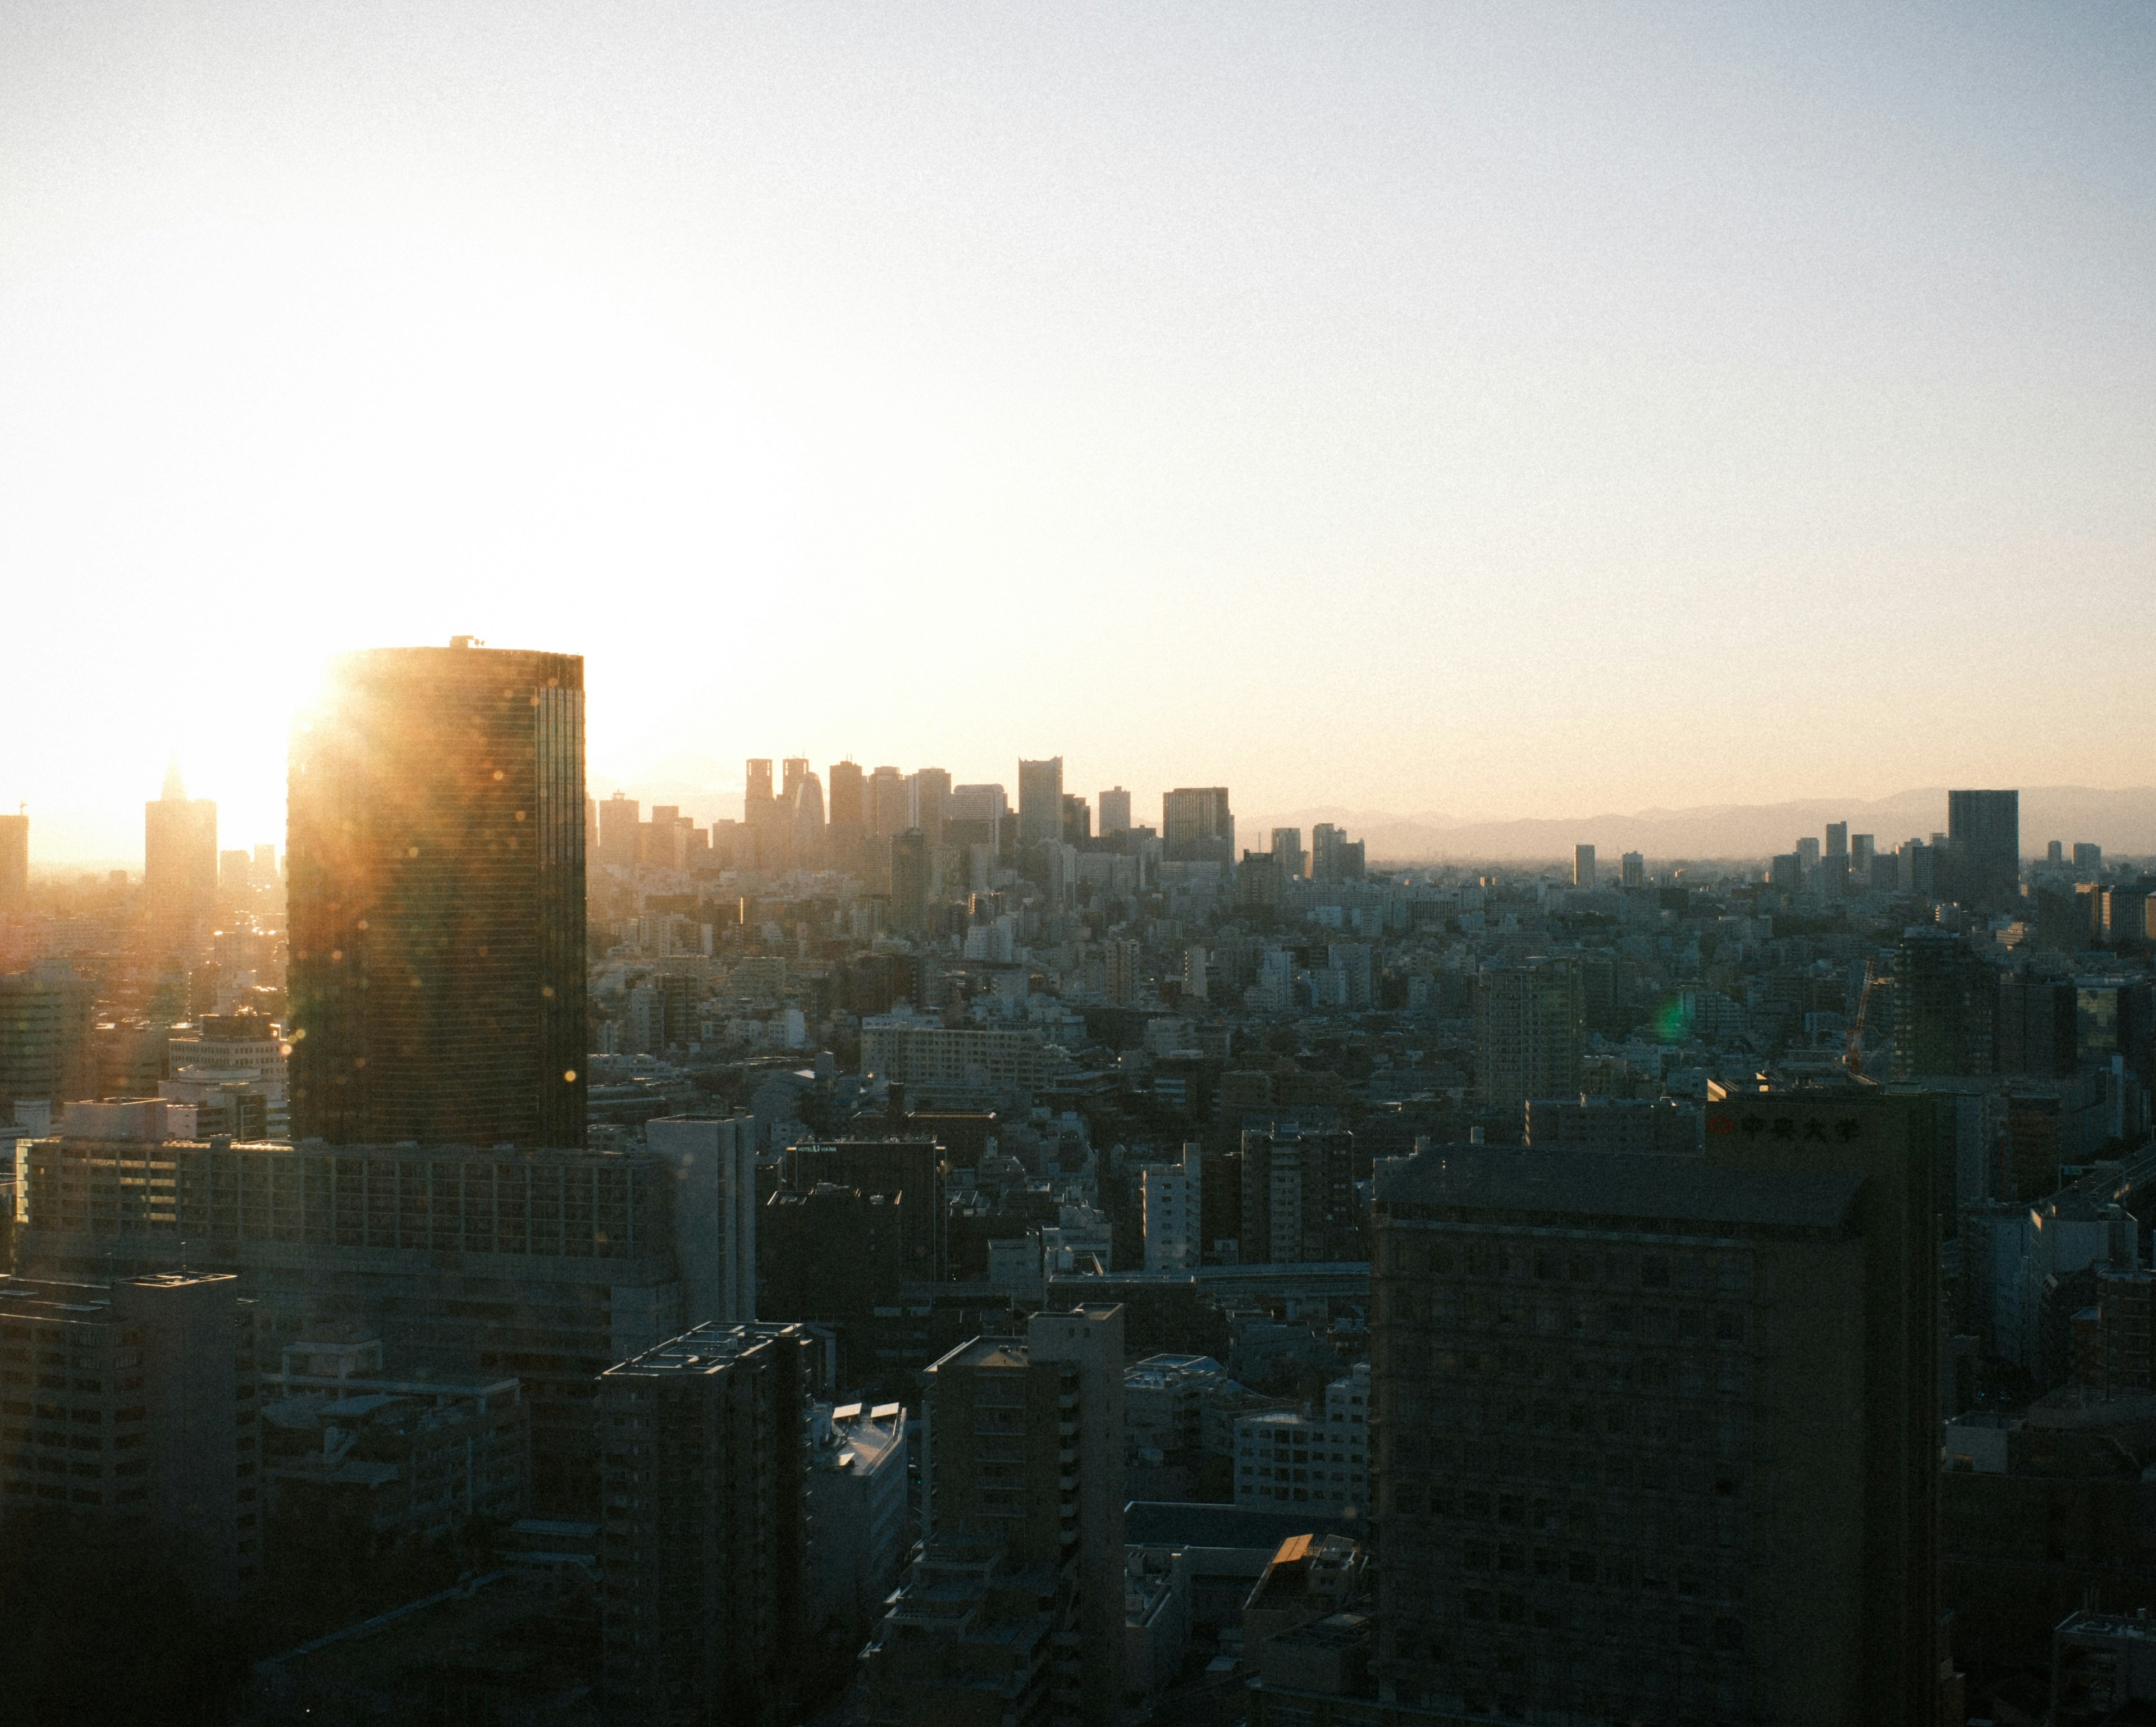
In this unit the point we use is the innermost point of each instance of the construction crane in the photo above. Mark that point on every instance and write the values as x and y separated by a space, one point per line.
1852 1051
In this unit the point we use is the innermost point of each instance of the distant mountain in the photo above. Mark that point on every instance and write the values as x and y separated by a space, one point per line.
2122 822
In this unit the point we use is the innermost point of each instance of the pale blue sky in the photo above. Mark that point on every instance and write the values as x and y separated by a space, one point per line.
1500 411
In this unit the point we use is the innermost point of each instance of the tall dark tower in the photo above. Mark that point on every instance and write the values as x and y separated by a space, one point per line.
435 869
1984 848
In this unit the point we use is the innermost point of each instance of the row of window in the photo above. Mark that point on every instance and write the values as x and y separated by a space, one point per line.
1546 1263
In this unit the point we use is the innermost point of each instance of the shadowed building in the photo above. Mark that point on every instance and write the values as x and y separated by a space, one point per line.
179 866
436 875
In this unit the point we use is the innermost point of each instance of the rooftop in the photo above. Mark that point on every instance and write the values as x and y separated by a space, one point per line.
1193 1523
1598 1186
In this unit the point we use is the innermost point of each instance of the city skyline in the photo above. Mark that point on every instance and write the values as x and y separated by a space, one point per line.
1506 396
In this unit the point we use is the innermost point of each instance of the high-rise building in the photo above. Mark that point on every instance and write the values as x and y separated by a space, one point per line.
46 1015
1287 854
1172 1201
889 807
714 1201
1120 959
758 796
793 770
1984 848
435 866
909 865
1114 806
1837 839
619 818
2087 858
913 1171
1023 1490
1333 857
931 797
1197 826
1863 853
1583 867
1658 1440
1634 868
705 1547
1039 801
1527 1022
1299 1201
1946 1007
179 866
15 857
1077 819
979 815
159 1371
847 803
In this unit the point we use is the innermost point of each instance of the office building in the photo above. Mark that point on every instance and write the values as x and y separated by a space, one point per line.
1039 801
1863 857
1633 867
1114 805
1527 1024
704 1562
468 1264
979 815
889 805
930 795
143 1410
1984 848
848 804
1583 867
1288 854
620 821
2088 860
1172 1198
15 855
909 869
1298 1197
1334 857
1284 1460
1662 1124
1077 820
435 866
46 1016
179 868
1197 826
1659 1441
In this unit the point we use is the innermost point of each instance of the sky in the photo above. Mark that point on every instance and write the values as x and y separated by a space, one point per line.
1499 412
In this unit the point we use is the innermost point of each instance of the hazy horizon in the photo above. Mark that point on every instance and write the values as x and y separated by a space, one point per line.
1536 413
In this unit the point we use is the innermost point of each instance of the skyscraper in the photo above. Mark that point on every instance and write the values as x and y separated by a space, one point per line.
1634 866
888 804
1583 867
435 867
1197 826
847 808
1287 853
1114 805
14 857
179 866
619 818
1984 848
1039 801
932 801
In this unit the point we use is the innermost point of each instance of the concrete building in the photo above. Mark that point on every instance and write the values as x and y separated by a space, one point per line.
1023 1495
714 1201
917 1052
357 1458
435 867
1632 869
2103 1668
1114 806
15 854
1527 1026
135 1400
1690 1406
857 1504
1583 867
1197 826
46 1015
704 1562
1662 1124
1171 1196
1298 1194
1039 801
1284 1460
466 1263
1984 849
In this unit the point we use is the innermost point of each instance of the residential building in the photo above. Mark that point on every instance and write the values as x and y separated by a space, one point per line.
435 866
1583 867
917 1052
705 1557
1633 867
1283 1459
1946 1006
46 1015
857 1504
1527 1026
144 1409
1298 1192
1172 1198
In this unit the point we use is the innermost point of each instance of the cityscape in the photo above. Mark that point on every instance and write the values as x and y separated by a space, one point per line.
920 1247
951 865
